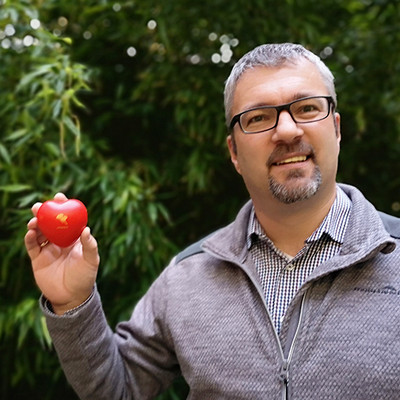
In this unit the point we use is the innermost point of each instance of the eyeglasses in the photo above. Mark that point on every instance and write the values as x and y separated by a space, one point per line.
302 111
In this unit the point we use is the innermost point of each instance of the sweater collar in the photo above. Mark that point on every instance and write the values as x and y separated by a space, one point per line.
365 232
334 224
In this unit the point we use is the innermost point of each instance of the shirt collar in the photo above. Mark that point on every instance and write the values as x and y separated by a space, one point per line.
334 224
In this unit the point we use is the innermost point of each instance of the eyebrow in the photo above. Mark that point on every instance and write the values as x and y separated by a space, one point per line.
294 97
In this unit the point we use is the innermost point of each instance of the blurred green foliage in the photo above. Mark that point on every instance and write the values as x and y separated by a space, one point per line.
120 104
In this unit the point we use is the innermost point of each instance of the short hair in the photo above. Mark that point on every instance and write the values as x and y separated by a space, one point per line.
274 55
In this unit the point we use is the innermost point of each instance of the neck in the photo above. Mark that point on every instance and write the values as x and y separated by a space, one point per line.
288 226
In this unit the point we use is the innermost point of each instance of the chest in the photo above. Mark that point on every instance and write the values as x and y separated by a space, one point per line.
348 338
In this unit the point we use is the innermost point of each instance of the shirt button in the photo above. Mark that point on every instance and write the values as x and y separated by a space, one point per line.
290 267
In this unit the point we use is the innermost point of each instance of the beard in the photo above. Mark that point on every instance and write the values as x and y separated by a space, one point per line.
295 187
289 193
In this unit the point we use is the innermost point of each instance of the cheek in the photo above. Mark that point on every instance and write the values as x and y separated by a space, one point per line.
326 141
252 153
327 153
252 144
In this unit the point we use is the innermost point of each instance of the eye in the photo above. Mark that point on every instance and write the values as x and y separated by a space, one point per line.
255 118
309 108
304 108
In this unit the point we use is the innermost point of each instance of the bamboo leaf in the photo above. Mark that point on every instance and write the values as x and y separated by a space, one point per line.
5 154
14 188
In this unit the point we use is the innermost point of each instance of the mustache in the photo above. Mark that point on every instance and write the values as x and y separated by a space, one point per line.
283 149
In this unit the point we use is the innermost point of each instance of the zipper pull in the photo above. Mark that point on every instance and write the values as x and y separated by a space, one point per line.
284 378
284 374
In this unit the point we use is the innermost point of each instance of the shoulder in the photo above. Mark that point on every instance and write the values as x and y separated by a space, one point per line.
224 236
192 250
391 223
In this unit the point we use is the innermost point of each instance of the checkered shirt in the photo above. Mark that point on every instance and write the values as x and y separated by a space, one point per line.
282 276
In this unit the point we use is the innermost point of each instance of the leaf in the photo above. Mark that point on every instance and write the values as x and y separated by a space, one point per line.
28 78
52 149
15 188
45 331
16 135
57 108
153 212
67 40
28 200
71 126
4 154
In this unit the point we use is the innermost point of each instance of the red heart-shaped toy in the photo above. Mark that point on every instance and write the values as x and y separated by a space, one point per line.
62 222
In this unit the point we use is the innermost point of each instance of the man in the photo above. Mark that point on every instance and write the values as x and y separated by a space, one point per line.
298 298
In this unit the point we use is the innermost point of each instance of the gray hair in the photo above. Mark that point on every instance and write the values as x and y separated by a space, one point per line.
273 55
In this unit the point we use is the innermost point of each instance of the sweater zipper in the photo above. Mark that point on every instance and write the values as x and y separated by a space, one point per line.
284 374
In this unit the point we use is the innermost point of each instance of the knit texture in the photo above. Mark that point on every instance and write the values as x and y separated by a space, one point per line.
205 317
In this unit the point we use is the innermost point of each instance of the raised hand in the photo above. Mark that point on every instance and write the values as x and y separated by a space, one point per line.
65 276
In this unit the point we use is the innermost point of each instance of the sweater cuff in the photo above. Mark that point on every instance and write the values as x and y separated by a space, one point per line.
47 307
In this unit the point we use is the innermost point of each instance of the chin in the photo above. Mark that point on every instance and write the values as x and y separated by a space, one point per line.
290 192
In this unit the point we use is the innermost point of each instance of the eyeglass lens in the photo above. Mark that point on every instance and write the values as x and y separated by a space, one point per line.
302 111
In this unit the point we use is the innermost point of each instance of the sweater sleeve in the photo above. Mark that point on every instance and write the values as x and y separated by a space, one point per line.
136 362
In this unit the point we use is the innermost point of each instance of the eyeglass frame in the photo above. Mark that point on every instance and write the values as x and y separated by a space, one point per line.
279 109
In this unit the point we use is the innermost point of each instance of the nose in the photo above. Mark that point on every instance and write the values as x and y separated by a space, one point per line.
286 129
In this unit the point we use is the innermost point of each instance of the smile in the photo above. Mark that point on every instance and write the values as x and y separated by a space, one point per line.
292 160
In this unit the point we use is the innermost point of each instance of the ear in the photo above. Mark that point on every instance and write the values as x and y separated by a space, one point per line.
230 140
337 127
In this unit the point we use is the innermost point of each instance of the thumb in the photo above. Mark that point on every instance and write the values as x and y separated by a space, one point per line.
89 248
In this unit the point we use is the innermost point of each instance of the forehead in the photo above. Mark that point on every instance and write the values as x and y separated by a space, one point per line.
277 85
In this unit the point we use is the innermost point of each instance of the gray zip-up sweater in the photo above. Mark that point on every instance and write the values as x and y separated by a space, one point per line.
205 318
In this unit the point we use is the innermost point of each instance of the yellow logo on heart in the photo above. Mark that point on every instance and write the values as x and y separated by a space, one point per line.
63 219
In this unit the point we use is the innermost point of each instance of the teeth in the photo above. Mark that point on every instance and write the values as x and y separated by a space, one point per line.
292 160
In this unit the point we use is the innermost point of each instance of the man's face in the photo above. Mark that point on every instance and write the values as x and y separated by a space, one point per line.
291 162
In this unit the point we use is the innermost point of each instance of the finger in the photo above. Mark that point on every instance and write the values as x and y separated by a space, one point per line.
60 197
35 238
35 208
32 224
31 244
89 247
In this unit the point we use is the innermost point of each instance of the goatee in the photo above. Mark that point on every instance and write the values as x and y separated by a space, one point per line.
289 193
